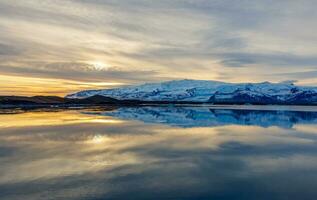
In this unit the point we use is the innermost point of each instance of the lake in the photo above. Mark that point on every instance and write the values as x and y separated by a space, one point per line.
152 152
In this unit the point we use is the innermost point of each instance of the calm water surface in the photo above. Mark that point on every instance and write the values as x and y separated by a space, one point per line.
159 153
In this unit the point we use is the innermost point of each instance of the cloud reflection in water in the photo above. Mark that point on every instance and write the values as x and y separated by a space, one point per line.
90 160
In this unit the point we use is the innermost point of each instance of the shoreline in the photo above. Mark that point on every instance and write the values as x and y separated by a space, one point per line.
306 108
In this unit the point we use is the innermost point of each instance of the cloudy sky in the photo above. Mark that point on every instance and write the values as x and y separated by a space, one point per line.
54 47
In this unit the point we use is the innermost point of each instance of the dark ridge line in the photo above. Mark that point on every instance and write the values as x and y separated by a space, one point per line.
98 100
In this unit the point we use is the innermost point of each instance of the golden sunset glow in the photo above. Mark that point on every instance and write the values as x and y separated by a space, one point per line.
31 86
98 65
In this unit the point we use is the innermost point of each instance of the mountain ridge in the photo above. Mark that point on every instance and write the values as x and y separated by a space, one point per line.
216 92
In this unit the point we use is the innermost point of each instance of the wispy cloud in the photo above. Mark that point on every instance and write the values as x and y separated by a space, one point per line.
151 40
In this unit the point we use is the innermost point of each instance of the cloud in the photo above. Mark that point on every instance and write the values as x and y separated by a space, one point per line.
8 50
150 39
311 74
80 72
277 59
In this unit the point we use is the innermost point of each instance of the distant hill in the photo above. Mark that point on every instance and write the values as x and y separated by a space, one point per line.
31 100
20 101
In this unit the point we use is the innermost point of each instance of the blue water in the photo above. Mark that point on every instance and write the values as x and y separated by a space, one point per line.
159 153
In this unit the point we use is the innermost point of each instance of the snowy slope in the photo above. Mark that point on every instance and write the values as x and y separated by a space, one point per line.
210 91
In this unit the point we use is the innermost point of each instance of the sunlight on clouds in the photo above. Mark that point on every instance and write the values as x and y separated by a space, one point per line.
225 41
99 65
309 81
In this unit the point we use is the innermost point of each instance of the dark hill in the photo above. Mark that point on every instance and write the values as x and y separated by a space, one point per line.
97 99
31 100
21 101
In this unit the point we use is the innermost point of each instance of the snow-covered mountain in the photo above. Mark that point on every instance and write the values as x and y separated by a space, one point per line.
210 91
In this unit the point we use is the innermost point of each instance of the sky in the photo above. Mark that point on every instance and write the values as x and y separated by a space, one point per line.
56 47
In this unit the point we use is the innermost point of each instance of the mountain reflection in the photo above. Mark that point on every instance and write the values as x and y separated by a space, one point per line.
188 117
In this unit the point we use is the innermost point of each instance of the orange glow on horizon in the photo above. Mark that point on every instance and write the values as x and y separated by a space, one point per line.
31 86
